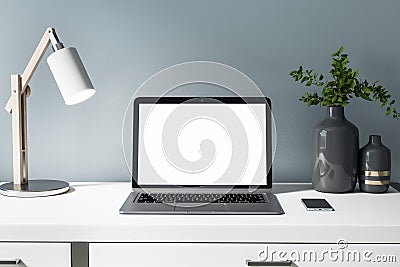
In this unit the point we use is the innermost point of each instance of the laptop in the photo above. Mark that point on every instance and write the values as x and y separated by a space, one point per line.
202 155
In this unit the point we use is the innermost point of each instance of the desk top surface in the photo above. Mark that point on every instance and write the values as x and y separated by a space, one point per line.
89 213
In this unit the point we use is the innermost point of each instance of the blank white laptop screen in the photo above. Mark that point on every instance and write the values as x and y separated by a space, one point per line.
202 144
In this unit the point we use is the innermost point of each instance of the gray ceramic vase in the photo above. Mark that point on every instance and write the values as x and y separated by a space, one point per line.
335 153
375 165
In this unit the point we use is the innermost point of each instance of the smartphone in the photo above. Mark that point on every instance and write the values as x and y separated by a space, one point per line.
316 204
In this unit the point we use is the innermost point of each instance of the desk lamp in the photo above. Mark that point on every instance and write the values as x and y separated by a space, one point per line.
75 86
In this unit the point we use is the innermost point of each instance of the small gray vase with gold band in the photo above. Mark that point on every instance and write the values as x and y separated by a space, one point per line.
375 166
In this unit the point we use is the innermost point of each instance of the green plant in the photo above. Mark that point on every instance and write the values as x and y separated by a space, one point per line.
343 86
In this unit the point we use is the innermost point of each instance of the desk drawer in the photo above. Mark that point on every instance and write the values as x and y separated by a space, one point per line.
236 255
35 254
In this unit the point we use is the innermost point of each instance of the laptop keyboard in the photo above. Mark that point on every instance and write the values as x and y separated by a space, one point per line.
200 198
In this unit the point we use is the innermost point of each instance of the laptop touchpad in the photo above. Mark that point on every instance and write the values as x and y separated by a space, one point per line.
210 208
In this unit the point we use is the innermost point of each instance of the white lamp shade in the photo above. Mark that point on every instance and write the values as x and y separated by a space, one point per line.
70 75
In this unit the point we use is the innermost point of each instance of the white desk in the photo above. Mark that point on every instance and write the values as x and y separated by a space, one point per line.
89 214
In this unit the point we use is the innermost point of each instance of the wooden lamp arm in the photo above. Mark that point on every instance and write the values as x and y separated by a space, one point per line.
48 37
35 59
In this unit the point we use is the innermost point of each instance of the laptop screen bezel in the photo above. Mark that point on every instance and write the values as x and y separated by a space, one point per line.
201 100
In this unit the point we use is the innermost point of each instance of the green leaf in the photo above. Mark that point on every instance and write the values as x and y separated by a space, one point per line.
325 102
366 90
366 97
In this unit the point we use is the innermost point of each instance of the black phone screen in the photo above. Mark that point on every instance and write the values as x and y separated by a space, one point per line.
316 204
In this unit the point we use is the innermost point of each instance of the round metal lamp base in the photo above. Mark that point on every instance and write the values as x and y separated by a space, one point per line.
35 188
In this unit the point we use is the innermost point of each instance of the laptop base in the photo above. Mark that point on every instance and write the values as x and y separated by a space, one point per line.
272 207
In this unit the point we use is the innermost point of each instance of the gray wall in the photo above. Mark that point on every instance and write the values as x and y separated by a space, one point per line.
122 43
